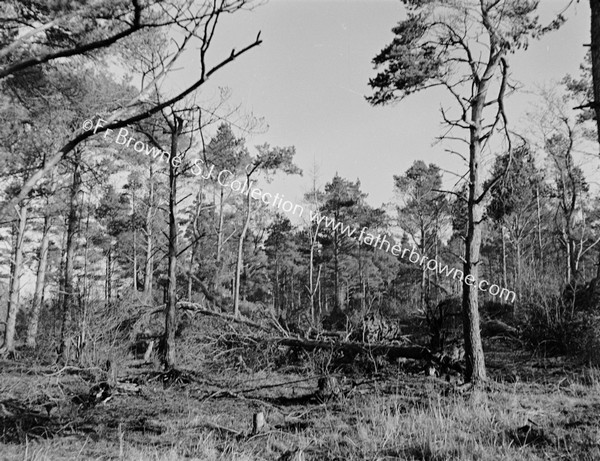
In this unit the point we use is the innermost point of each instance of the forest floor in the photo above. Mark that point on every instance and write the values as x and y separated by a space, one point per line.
534 409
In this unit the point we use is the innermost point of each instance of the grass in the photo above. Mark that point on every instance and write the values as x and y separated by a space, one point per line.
552 411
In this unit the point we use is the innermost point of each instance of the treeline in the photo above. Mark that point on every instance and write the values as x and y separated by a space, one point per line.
100 232
95 226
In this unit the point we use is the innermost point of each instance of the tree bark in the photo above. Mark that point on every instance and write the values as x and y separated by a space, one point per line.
539 226
73 143
504 279
311 261
109 277
475 371
436 252
133 228
595 49
336 267
38 295
390 351
240 257
217 276
276 306
149 265
86 252
15 286
195 237
423 269
171 301
69 295
519 257
568 273
190 269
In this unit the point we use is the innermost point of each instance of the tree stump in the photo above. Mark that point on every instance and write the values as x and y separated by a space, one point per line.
258 423
328 387
148 352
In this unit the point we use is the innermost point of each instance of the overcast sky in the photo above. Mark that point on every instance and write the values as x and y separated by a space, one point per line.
309 77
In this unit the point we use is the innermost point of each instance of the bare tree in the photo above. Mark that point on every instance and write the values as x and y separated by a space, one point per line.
314 198
268 161
123 18
68 300
595 49
168 346
200 24
151 210
560 134
15 279
462 46
38 294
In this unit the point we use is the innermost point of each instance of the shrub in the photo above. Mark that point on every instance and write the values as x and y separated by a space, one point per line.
557 325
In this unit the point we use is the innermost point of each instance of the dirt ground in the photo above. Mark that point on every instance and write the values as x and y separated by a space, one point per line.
533 409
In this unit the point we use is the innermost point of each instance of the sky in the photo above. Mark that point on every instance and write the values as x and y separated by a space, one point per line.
309 79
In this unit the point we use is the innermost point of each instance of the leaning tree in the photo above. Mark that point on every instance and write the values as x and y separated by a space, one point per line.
462 46
36 33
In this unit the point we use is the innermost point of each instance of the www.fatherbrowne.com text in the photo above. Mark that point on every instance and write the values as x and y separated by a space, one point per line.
414 257
224 178
364 237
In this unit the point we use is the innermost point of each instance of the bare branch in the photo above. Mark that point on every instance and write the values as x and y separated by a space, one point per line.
113 125
21 65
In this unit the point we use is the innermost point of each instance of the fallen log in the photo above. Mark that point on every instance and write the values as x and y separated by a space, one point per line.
491 328
195 308
391 351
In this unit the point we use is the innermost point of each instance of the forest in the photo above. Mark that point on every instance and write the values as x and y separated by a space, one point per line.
165 295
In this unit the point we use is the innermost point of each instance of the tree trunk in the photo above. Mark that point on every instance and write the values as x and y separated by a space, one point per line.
423 269
595 48
190 269
148 270
133 228
313 286
504 279
319 293
171 304
336 280
15 287
475 363
109 265
519 272
149 264
38 295
195 237
69 295
539 226
4 308
436 252
86 252
276 291
391 351
240 257
475 370
292 297
61 272
361 284
568 273
311 283
217 276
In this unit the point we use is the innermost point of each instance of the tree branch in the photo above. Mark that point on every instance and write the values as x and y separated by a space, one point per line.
69 146
21 65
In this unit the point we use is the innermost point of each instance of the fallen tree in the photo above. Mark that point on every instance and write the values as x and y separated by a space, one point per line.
440 362
391 351
195 308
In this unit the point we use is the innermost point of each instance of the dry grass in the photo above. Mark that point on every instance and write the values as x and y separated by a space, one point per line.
406 417
396 414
